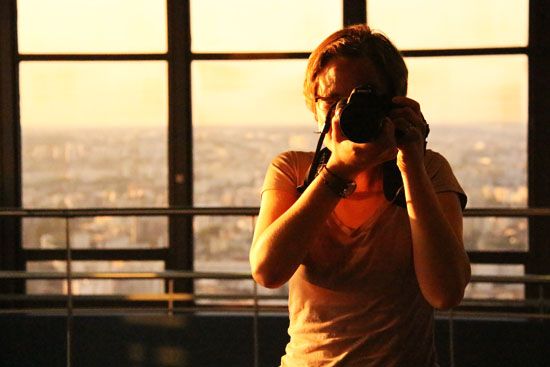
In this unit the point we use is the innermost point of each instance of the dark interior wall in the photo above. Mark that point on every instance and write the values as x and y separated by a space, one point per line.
215 340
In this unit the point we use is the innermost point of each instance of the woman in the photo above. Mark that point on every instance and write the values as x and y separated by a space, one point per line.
364 273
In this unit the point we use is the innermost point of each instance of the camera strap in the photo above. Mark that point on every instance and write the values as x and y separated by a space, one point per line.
321 156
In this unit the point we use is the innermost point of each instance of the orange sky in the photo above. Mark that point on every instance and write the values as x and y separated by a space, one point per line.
452 90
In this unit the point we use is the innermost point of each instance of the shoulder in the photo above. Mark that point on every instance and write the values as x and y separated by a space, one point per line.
433 158
288 170
436 162
442 175
293 161
293 157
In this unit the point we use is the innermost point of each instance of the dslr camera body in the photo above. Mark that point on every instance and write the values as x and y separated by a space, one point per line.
362 114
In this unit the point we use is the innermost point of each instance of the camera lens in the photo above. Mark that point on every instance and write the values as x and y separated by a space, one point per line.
362 117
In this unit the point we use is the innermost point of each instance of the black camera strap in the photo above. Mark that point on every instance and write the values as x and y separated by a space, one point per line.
321 155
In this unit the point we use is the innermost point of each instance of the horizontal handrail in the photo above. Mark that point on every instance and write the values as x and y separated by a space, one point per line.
182 296
176 274
224 211
124 212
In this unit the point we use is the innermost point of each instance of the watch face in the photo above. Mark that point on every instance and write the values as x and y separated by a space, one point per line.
349 189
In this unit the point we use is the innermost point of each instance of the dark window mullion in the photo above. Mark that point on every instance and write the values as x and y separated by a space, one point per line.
355 12
10 140
250 56
465 51
180 138
538 138
91 57
498 257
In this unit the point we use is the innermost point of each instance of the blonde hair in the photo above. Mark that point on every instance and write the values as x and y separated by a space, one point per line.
357 41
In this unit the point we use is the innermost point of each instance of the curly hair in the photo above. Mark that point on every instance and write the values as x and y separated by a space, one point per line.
357 41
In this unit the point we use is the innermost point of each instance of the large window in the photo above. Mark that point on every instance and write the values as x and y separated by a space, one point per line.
93 133
120 102
477 105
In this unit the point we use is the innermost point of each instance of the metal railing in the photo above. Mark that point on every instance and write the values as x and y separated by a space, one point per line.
536 309
171 302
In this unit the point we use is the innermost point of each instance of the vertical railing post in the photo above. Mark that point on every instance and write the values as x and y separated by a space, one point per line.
256 312
69 328
451 339
171 297
256 325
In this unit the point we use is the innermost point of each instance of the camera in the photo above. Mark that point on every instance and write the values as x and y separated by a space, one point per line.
362 115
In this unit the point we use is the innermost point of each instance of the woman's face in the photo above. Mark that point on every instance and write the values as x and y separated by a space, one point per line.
339 78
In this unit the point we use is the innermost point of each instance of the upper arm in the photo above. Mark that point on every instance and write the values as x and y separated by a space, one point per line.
451 206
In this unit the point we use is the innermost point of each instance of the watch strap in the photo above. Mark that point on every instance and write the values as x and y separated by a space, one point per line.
338 185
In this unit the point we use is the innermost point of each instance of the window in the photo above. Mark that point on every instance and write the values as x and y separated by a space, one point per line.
476 102
121 102
93 134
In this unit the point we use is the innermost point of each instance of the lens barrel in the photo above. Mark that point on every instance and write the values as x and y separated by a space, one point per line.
362 117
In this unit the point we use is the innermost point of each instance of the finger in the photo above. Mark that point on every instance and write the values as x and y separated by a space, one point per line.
406 102
405 131
406 113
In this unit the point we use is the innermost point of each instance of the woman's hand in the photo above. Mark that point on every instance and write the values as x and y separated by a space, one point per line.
410 130
348 158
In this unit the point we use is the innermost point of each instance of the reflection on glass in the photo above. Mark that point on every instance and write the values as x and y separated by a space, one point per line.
99 26
256 26
427 24
96 286
496 290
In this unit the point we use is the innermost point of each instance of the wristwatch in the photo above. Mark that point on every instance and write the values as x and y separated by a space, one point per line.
338 185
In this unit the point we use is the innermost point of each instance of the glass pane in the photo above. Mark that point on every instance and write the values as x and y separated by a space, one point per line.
94 135
221 246
496 290
99 26
496 234
477 110
245 112
96 233
233 145
425 24
96 286
94 94
267 25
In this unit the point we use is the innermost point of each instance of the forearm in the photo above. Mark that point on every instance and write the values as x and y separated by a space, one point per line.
281 247
441 263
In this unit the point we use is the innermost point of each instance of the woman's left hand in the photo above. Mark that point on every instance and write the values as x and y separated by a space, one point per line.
411 131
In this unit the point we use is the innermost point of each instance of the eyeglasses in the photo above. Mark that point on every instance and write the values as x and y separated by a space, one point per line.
325 103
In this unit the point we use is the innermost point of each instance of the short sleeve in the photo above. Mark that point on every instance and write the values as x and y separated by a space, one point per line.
442 176
287 171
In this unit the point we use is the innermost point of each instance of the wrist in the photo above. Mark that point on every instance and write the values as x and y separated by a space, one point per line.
410 163
340 186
